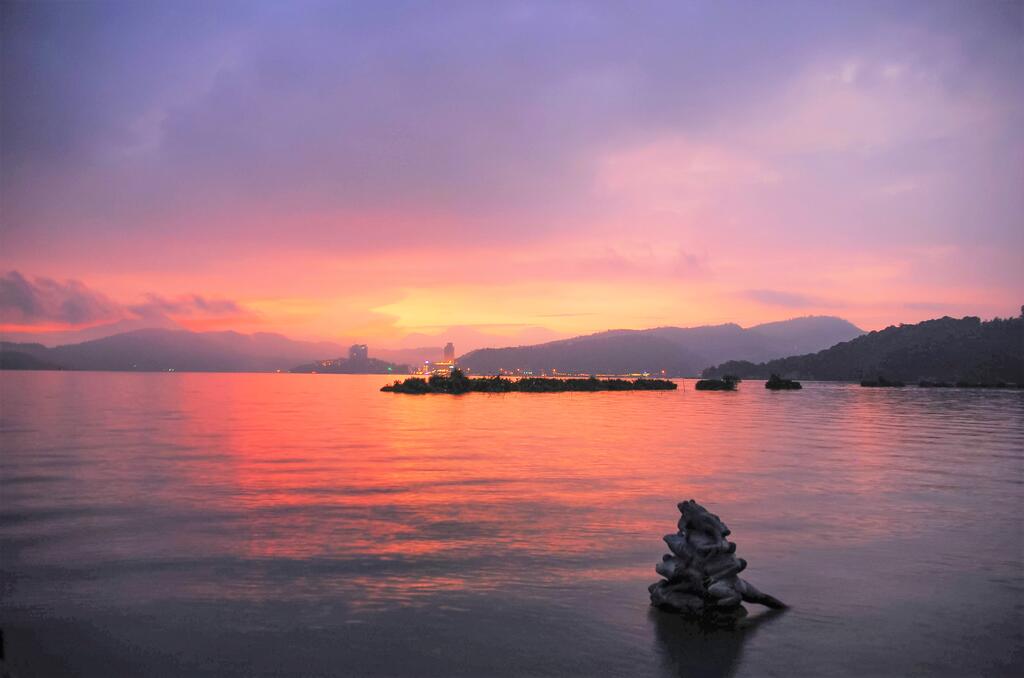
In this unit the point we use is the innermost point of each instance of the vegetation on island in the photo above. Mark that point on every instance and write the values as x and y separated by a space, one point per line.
726 383
950 350
459 383
777 383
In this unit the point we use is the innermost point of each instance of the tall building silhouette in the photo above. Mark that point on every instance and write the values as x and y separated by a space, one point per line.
358 352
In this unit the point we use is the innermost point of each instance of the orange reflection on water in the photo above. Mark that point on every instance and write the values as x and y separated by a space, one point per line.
329 482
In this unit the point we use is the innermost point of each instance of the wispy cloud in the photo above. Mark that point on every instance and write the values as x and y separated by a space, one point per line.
530 159
788 299
47 301
186 305
936 306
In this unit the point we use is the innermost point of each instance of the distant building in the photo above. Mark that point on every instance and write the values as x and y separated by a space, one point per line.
358 352
442 367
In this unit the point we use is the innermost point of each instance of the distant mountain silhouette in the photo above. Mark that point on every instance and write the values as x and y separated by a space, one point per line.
947 349
676 350
679 351
20 360
65 337
162 349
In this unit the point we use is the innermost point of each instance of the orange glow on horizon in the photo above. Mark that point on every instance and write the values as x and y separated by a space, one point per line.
526 295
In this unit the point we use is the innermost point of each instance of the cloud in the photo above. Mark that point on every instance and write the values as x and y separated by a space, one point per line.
618 261
186 305
938 306
787 299
238 141
678 175
564 315
487 117
47 301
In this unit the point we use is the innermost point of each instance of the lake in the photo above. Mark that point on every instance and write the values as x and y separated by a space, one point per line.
276 524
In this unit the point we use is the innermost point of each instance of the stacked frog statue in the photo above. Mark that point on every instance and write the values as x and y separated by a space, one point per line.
701 573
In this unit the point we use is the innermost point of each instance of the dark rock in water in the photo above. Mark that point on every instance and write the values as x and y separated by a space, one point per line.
924 383
985 384
882 382
777 383
457 383
700 575
726 383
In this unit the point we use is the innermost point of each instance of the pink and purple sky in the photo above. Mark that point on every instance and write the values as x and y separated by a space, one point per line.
498 173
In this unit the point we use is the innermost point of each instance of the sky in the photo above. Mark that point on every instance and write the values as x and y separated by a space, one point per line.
403 173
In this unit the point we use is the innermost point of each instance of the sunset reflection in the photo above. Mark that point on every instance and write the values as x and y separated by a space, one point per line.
320 496
394 496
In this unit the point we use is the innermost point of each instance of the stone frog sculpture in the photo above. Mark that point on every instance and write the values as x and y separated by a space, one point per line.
701 574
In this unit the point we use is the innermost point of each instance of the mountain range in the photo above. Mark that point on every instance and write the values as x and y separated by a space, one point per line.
673 351
678 351
155 349
946 349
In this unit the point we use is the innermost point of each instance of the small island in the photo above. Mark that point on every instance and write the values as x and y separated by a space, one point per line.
987 384
726 383
777 383
459 383
881 382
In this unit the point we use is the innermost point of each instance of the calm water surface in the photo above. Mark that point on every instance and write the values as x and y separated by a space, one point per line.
217 525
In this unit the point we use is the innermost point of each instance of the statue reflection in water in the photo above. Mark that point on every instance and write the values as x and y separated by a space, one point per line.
692 649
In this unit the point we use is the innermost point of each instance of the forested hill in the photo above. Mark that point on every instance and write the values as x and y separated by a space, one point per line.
946 349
